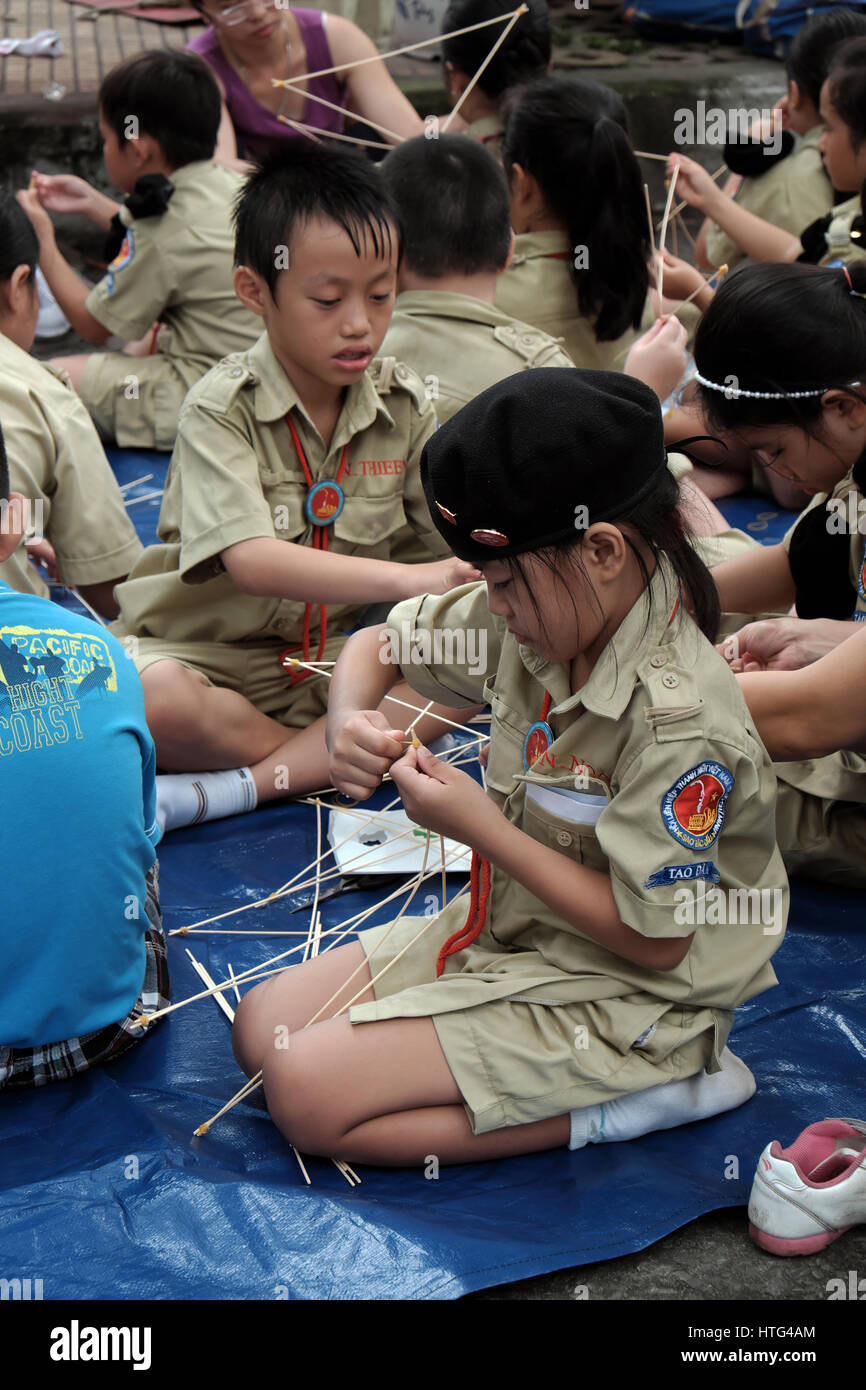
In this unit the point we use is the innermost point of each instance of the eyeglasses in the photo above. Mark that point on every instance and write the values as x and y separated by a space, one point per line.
236 14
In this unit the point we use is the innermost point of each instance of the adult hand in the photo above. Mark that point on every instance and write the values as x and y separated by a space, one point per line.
783 644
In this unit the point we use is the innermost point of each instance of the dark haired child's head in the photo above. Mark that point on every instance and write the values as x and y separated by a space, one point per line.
452 199
771 332
570 165
566 559
157 112
810 57
19 257
843 111
523 57
317 249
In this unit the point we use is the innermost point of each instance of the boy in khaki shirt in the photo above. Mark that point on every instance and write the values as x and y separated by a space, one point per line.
294 481
169 281
453 203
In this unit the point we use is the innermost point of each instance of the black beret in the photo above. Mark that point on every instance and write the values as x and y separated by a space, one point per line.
508 472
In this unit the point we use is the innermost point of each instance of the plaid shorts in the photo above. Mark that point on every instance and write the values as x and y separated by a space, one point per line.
37 1066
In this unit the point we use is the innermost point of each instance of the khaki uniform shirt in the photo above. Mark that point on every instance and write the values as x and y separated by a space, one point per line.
57 462
461 345
488 131
178 269
662 741
840 248
234 476
791 195
537 288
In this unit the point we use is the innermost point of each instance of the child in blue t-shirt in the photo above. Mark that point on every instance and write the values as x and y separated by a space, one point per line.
82 950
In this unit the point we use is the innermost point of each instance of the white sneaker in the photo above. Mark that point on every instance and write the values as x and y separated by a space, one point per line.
806 1196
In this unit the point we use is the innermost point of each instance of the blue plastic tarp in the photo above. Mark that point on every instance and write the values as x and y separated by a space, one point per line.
104 1193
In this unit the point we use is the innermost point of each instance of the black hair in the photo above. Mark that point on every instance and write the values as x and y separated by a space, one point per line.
19 244
571 135
752 338
847 87
303 181
523 56
453 203
659 524
4 470
174 98
813 47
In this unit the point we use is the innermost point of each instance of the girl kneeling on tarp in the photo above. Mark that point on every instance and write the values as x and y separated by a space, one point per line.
580 991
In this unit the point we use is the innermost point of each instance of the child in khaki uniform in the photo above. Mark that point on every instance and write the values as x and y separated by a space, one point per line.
581 998
799 404
169 282
787 186
55 458
294 483
579 269
453 204
523 56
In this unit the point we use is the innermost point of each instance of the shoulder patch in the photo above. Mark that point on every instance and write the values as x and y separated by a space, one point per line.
122 259
693 809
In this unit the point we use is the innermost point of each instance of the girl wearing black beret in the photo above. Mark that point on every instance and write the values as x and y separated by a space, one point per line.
626 891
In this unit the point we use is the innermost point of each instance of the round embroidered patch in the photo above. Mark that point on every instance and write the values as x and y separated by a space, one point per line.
324 503
125 254
537 741
693 809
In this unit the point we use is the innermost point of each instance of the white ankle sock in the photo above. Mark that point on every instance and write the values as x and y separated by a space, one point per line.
661 1107
188 798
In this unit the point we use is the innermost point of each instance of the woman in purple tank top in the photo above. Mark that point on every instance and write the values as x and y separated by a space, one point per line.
250 42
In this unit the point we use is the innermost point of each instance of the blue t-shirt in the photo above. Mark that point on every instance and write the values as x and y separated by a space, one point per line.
77 824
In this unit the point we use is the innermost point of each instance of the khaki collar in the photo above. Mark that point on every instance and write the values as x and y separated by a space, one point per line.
448 304
611 684
530 246
276 396
190 173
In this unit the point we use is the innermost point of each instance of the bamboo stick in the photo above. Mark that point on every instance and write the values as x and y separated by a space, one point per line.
318 135
521 10
394 52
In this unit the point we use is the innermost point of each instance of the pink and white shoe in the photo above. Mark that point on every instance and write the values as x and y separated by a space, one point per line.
806 1196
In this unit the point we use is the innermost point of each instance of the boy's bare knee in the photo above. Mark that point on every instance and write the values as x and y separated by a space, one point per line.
172 696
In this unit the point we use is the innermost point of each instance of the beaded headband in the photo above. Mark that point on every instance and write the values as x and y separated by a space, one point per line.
736 391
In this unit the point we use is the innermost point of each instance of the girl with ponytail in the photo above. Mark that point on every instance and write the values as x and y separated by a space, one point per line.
579 269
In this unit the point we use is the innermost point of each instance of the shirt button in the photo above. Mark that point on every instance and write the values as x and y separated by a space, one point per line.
658 660
236 371
563 838
670 680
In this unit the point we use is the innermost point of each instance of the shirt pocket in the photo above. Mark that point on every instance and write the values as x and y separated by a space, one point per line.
368 523
286 502
566 821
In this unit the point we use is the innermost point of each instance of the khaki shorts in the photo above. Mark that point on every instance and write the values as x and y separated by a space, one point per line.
250 669
134 401
516 1061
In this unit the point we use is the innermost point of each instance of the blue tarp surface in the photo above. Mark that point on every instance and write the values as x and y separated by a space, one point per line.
105 1194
